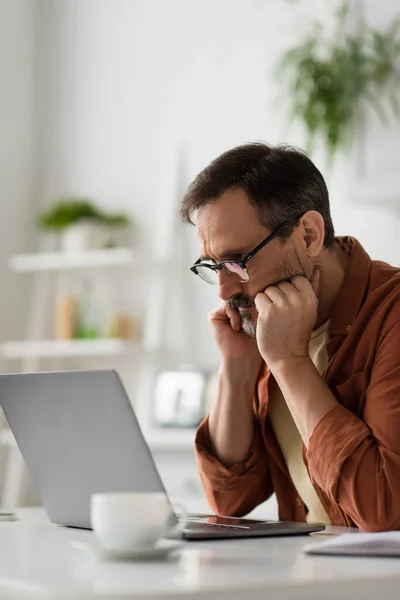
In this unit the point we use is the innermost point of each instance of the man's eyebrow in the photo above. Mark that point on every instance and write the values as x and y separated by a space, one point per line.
233 254
203 257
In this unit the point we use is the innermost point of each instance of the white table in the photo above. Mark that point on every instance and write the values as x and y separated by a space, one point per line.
37 559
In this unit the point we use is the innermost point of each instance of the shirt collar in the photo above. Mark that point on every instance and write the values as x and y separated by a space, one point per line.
351 295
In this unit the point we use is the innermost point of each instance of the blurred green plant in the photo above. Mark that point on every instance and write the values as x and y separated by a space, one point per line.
116 219
328 79
70 211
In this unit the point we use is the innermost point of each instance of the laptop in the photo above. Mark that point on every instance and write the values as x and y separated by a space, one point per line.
78 435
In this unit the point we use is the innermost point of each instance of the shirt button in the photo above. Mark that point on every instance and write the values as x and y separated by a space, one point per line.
299 501
348 327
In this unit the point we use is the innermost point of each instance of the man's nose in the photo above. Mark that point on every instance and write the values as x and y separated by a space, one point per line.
227 287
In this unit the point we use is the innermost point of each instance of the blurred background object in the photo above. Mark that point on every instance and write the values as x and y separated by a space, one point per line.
124 102
82 225
179 398
333 75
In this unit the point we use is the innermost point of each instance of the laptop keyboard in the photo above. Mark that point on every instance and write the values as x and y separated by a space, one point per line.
202 526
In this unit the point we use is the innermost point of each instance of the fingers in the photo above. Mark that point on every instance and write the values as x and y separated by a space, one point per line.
300 283
228 315
305 288
285 293
285 288
262 301
277 295
219 312
235 318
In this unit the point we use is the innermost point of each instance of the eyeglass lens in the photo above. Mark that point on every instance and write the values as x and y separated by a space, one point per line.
232 270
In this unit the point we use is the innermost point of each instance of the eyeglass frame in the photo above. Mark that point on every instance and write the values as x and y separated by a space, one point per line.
242 263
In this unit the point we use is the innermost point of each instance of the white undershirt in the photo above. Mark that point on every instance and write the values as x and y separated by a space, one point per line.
289 437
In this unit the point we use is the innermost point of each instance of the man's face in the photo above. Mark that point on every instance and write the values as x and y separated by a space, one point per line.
229 229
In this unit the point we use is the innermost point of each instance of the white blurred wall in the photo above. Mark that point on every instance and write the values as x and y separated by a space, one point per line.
17 161
17 156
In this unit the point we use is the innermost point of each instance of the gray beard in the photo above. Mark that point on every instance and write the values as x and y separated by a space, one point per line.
249 327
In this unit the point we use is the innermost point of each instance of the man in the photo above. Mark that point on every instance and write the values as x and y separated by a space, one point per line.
308 402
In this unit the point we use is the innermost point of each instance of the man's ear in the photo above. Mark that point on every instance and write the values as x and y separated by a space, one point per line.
312 231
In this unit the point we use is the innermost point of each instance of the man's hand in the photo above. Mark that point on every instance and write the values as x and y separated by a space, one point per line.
231 421
238 350
287 314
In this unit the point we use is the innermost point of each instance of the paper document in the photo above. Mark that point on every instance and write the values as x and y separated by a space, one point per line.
360 544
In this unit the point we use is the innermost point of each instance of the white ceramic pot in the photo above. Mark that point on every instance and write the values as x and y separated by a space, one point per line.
78 238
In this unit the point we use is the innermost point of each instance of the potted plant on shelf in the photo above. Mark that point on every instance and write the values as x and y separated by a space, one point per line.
329 79
112 224
80 222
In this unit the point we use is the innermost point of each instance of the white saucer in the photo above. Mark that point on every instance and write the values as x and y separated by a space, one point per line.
157 551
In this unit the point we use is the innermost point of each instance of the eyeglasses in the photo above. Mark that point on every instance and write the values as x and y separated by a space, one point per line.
235 269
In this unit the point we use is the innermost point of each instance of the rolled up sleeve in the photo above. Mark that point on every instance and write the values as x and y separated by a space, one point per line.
356 461
237 490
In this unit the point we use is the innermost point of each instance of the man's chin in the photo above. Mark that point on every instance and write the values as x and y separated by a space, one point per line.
249 327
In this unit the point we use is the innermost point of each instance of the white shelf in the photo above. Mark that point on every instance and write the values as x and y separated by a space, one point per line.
65 348
164 440
59 261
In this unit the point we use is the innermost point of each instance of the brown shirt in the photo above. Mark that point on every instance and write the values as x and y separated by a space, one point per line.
353 456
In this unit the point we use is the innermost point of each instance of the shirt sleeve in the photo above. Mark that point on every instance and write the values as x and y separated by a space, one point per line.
237 490
357 461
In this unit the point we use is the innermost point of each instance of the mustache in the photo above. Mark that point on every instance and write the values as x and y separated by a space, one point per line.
240 300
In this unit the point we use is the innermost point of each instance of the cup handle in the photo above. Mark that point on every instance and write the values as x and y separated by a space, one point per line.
182 514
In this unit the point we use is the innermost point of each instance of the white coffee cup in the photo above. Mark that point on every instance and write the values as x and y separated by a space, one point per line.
129 520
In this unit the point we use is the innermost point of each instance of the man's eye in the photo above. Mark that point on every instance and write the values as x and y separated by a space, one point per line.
238 258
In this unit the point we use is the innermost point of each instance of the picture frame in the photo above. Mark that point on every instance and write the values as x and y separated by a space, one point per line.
179 398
